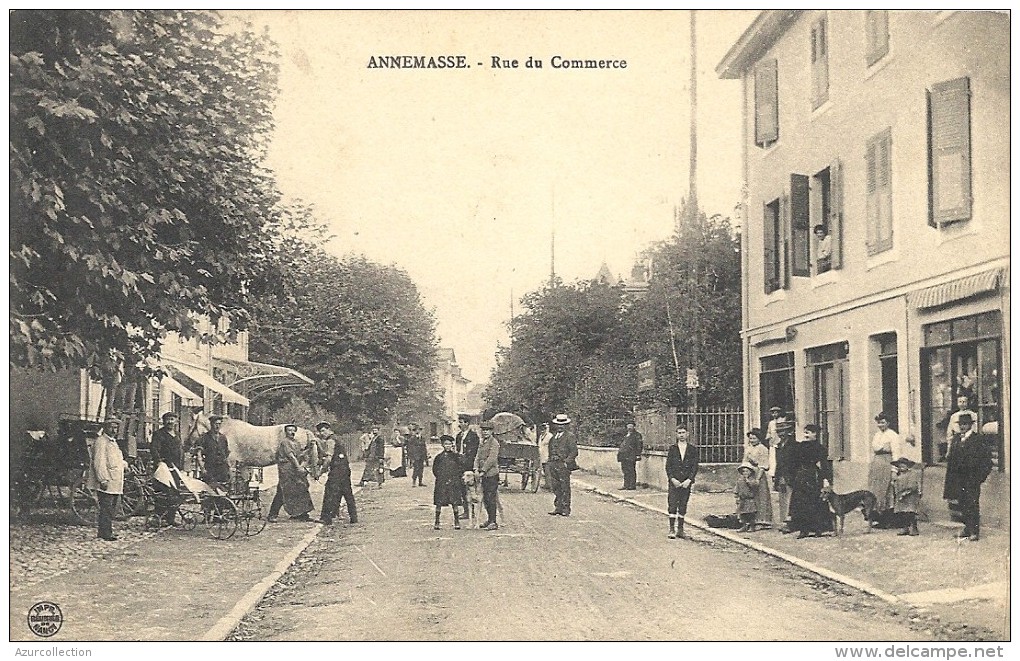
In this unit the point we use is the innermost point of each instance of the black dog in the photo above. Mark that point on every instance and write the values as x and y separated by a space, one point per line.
841 504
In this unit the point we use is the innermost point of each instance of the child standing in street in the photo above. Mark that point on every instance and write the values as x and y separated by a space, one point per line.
448 468
906 484
745 491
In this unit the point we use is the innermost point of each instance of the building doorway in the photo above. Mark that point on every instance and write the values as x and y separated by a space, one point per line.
776 385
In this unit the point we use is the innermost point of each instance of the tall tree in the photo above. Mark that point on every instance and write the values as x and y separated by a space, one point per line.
697 279
564 342
138 196
359 329
575 347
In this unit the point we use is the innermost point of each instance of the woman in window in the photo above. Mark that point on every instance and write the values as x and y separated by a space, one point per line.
823 259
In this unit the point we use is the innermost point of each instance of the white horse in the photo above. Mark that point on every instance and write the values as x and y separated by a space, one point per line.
251 445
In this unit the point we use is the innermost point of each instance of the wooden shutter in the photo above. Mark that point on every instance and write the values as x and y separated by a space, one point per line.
811 390
837 426
878 167
766 103
819 62
949 152
800 225
836 212
876 29
785 224
770 218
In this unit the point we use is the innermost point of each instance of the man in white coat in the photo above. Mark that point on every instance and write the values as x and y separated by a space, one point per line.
106 476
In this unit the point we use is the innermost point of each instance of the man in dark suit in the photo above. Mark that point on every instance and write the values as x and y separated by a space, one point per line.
968 464
168 449
562 457
628 455
681 467
466 445
416 450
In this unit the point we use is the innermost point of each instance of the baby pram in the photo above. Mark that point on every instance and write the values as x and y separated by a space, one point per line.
184 501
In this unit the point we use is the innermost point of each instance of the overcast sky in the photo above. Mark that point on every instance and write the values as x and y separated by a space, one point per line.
461 176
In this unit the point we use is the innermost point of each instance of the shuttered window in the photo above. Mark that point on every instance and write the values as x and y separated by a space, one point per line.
949 164
766 103
800 225
878 168
876 34
819 62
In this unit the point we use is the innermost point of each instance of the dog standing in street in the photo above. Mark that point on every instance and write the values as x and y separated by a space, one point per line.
841 504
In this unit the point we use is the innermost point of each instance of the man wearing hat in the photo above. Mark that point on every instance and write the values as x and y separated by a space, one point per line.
416 451
487 466
106 475
967 466
562 457
215 450
292 491
168 449
466 444
628 455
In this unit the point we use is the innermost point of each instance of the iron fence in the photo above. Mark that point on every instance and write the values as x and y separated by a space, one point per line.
718 433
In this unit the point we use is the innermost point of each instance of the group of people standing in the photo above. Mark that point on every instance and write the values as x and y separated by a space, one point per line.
801 475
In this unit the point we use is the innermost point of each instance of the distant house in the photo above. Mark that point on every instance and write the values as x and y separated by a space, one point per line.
453 386
888 132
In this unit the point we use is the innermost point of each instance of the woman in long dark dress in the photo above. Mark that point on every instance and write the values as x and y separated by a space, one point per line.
811 472
448 468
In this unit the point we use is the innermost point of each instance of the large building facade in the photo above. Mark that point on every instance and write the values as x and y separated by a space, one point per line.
876 234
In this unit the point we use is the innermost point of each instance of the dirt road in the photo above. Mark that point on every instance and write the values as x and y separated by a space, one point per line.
606 573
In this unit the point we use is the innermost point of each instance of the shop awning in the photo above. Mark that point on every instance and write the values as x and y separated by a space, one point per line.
261 378
209 382
957 290
176 387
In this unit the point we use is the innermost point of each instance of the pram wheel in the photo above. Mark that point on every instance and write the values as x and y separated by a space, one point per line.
250 518
152 522
188 520
220 516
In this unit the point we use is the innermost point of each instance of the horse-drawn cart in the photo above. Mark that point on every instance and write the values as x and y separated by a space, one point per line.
50 470
518 451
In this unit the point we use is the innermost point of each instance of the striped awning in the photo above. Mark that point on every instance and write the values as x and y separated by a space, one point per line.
209 382
188 398
959 289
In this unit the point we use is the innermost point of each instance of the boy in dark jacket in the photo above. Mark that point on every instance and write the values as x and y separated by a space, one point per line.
681 467
338 482
448 469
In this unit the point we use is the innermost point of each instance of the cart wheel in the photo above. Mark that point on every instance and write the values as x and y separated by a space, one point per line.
221 517
133 501
536 476
188 520
250 517
152 522
25 494
84 502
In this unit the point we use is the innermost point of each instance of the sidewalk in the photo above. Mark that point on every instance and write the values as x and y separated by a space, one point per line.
965 583
174 585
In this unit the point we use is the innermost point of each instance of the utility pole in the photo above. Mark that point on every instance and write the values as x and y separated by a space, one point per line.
692 207
552 261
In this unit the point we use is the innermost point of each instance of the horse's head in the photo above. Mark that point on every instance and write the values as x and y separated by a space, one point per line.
200 424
